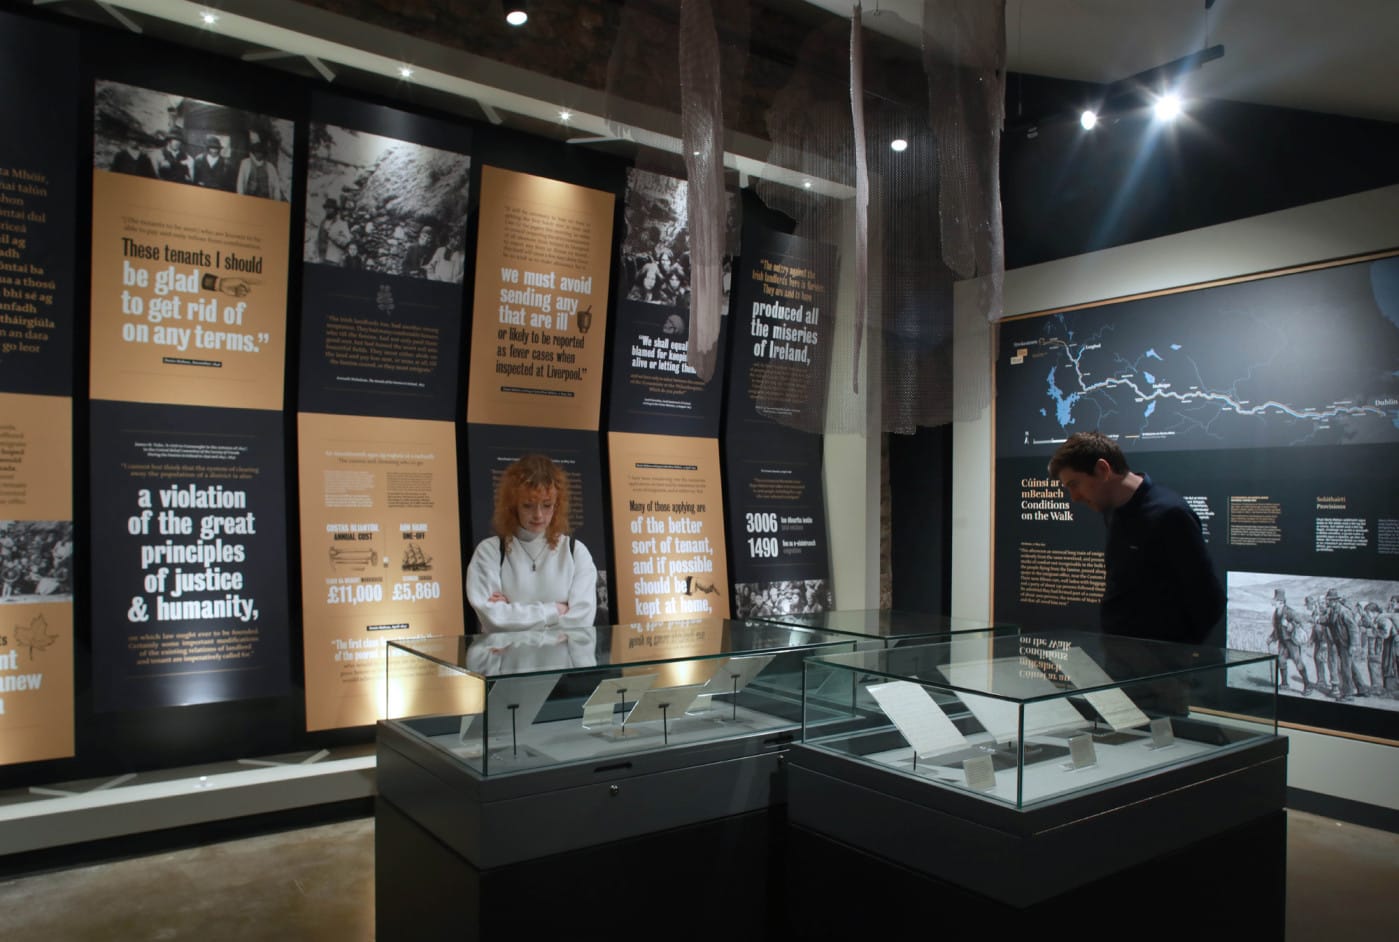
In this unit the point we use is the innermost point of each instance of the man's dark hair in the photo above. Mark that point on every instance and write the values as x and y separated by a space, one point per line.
1082 451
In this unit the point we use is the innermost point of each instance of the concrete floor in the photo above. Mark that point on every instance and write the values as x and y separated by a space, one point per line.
318 884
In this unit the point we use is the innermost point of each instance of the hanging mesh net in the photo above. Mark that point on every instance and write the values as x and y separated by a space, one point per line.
797 88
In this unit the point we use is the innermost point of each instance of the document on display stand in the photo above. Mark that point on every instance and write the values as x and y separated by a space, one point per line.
600 707
1114 706
732 675
664 704
512 704
915 714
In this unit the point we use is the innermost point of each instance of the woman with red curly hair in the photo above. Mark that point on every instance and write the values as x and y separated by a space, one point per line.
532 574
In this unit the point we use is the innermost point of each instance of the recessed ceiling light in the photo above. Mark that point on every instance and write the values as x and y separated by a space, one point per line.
1168 107
209 17
405 72
807 184
898 145
1088 120
565 115
517 17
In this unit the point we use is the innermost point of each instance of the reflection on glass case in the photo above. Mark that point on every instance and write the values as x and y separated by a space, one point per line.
513 702
1030 719
888 627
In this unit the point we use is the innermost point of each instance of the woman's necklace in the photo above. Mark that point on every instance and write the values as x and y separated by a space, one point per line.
533 559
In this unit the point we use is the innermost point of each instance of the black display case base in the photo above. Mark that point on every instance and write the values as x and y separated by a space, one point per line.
717 880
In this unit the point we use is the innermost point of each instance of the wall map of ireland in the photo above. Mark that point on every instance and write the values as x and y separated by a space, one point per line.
1310 358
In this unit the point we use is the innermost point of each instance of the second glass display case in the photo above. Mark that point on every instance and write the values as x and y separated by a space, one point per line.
1027 718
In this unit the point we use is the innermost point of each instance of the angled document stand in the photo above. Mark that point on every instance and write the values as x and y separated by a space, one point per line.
918 718
733 675
511 704
611 693
664 704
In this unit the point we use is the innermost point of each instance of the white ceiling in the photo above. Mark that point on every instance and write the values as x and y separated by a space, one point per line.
1334 56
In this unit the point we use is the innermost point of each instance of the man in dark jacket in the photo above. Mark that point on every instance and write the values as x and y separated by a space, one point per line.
1160 581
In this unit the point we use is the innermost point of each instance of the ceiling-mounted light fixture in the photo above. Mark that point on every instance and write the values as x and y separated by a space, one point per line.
209 17
516 12
405 72
898 145
1088 120
1168 107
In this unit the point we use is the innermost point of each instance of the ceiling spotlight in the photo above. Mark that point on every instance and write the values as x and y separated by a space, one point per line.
898 145
209 17
1088 120
1168 107
565 116
515 13
807 184
405 72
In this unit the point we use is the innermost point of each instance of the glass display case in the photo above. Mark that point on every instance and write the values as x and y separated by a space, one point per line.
1026 766
515 747
1027 718
513 702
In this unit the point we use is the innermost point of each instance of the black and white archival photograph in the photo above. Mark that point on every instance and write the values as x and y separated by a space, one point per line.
36 560
383 205
1335 639
656 246
160 136
786 597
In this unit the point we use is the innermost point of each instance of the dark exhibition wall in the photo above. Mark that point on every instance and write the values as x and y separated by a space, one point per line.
1067 192
264 378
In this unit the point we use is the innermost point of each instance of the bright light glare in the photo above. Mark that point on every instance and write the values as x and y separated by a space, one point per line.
898 145
517 17
1168 107
565 115
807 184
1089 120
209 18
405 72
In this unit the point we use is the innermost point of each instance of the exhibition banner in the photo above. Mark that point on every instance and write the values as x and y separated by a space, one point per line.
1272 407
776 410
189 575
667 527
37 207
654 389
36 563
777 519
539 317
190 229
493 448
781 323
384 244
380 553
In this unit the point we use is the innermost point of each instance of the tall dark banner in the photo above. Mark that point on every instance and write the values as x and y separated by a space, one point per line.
385 251
1272 407
36 207
189 601
493 448
772 466
654 390
39 65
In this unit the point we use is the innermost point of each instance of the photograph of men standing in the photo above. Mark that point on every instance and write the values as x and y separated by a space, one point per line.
1160 581
170 161
211 169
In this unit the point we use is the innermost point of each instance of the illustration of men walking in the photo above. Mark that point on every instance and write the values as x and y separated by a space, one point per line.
1287 635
